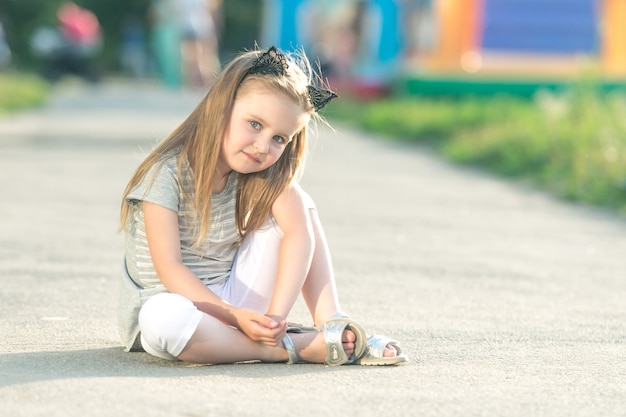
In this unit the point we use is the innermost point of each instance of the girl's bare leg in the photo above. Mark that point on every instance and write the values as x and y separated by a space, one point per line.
319 290
215 342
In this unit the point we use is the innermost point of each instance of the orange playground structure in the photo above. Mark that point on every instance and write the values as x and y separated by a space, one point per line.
495 38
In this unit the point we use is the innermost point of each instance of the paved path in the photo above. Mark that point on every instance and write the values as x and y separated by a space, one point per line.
509 303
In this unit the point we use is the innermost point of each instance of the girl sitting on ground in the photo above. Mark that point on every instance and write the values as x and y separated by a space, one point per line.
221 240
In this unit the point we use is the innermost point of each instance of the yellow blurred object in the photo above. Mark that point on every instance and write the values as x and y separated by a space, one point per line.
458 24
613 48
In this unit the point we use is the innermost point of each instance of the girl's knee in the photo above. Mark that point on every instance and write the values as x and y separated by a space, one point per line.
307 200
167 322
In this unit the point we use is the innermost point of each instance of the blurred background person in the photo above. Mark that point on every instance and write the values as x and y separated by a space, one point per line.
5 51
133 50
72 46
199 43
164 17
348 33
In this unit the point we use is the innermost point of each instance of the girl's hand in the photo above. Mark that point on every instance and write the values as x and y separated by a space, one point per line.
259 328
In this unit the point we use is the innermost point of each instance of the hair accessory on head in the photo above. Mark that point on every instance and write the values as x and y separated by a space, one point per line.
271 62
274 62
320 97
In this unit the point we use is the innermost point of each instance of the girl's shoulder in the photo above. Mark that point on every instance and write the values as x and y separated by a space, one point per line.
170 163
171 158
164 169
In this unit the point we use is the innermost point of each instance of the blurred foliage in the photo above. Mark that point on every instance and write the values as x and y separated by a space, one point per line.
573 143
21 91
20 18
240 24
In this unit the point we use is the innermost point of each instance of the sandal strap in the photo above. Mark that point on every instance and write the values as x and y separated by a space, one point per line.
291 350
339 315
333 332
300 328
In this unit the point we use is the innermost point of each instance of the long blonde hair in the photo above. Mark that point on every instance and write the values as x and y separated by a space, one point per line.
201 134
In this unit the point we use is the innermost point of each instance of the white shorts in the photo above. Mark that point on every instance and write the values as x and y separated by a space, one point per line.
167 321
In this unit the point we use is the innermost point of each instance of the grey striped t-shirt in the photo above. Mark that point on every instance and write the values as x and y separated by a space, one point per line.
211 262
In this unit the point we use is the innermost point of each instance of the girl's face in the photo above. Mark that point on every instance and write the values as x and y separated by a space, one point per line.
261 125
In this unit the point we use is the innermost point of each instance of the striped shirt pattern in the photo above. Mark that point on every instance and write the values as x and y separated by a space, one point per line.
212 261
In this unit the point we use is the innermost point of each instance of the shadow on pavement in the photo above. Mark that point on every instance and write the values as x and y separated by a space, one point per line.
29 367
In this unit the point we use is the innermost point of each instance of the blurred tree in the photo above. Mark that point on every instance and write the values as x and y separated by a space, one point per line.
241 26
20 18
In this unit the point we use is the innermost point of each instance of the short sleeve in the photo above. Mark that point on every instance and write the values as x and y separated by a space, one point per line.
159 186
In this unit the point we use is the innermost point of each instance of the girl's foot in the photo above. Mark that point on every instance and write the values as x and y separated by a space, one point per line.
311 347
340 341
382 350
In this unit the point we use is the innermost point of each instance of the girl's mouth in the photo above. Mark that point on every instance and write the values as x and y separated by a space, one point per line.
252 157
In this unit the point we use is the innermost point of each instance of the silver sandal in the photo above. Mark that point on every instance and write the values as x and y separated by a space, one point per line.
333 331
376 345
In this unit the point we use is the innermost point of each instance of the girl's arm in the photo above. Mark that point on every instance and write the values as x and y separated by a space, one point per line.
164 241
296 250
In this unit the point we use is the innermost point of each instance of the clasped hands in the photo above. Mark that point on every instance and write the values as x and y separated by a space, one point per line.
267 329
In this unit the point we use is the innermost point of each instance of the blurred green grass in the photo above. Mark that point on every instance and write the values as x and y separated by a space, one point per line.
571 143
21 91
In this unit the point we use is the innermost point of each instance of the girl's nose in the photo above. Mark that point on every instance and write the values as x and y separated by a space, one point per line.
261 145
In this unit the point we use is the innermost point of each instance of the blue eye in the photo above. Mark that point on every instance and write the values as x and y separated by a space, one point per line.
255 125
279 139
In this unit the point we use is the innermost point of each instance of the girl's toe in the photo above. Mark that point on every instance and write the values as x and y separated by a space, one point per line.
390 351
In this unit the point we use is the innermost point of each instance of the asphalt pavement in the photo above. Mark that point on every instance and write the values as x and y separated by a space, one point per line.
508 301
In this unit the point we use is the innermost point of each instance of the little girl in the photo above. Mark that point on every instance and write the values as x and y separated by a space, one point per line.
221 240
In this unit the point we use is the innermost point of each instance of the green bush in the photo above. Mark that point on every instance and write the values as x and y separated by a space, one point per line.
19 91
573 144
